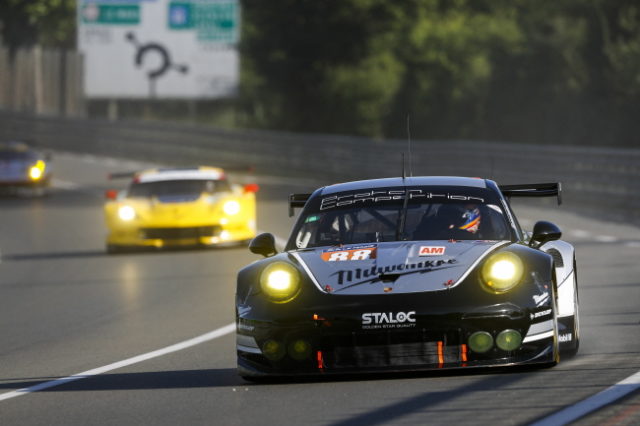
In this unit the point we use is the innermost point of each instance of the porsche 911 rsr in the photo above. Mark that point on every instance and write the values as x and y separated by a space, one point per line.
407 274
180 207
23 167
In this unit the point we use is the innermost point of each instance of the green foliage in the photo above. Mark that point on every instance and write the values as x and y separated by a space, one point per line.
530 70
622 48
447 49
46 22
318 65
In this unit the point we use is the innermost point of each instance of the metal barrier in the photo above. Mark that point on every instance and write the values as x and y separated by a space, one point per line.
596 180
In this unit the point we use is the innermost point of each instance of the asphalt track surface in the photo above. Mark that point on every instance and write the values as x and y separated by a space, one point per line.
66 307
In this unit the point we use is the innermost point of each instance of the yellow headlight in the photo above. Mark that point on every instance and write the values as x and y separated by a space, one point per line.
231 207
501 272
126 213
280 282
37 170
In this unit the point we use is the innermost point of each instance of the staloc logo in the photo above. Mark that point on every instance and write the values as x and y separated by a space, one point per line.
388 317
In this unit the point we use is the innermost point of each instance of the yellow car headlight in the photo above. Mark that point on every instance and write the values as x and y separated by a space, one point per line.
280 282
126 213
502 272
37 170
231 207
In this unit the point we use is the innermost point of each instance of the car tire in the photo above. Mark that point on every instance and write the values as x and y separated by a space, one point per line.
571 348
556 343
114 249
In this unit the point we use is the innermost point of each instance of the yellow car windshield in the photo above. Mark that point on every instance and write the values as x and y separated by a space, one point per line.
183 189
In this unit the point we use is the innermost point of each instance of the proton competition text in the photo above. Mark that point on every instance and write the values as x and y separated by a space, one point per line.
380 196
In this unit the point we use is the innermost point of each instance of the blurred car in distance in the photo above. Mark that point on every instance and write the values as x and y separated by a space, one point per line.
23 169
178 207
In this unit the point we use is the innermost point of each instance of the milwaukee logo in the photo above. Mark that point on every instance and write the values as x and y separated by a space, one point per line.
431 251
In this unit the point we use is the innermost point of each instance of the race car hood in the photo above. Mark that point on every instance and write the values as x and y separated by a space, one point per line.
394 267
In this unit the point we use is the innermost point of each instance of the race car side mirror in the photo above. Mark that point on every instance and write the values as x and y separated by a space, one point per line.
544 232
111 194
264 244
251 187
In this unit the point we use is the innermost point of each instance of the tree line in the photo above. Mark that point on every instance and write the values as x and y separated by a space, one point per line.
555 71
540 71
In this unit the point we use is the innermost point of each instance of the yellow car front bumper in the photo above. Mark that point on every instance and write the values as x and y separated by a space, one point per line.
143 223
159 237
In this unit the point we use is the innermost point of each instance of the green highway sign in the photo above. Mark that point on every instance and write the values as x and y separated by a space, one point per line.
180 16
215 21
160 49
110 14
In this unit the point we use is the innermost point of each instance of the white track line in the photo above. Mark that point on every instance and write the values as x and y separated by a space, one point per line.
606 239
63 184
580 233
222 331
593 403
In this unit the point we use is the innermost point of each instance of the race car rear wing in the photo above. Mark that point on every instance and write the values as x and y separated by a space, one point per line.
552 189
297 200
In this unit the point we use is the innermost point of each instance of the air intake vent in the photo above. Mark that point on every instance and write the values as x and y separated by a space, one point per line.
557 257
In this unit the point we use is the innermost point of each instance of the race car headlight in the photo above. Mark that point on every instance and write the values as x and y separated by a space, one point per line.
37 170
280 282
502 272
231 207
126 213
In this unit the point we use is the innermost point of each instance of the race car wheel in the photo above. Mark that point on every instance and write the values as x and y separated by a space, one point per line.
114 249
556 344
571 348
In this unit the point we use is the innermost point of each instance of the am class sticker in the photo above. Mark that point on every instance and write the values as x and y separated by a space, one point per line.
431 250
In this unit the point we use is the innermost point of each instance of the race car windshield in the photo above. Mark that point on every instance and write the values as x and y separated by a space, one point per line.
353 220
17 156
190 189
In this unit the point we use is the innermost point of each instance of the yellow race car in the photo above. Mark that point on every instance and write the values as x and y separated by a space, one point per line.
175 207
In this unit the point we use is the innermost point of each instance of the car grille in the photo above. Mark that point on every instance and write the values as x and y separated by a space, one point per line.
179 233
392 349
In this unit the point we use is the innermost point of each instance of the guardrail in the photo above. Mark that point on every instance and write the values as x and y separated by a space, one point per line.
596 180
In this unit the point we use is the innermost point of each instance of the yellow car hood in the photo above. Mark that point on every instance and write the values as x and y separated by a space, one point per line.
154 213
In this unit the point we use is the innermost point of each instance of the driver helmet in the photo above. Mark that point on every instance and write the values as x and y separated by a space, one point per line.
460 217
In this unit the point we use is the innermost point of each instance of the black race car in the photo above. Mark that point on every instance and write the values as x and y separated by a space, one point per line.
409 273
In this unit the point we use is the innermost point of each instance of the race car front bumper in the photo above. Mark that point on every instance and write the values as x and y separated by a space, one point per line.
324 344
25 183
160 237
